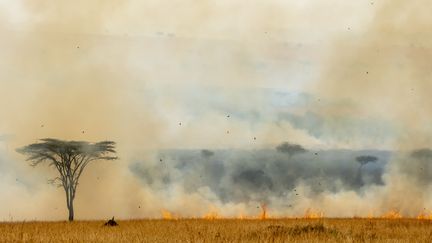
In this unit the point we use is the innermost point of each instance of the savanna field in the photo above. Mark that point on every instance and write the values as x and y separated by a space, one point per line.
222 230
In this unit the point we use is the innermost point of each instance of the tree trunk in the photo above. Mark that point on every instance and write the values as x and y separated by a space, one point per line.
71 211
69 203
359 178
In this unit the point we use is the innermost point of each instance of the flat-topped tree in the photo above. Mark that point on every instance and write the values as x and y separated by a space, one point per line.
423 153
70 158
290 149
365 159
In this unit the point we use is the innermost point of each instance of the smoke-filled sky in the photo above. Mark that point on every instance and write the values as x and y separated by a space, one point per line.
171 78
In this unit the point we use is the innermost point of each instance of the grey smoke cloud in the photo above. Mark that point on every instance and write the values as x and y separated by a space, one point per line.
342 127
237 176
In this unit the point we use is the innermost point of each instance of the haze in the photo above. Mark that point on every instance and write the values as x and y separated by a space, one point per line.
168 78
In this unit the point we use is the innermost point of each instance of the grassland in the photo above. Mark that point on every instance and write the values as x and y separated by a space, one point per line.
222 230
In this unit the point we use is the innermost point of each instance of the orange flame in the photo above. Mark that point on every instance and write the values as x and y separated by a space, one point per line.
311 214
211 215
370 215
392 214
425 216
167 215
263 211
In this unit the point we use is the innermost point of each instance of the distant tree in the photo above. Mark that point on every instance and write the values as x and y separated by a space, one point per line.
290 149
423 153
69 158
364 159
207 153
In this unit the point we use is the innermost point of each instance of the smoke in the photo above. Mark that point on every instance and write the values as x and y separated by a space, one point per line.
384 73
56 82
236 177
166 80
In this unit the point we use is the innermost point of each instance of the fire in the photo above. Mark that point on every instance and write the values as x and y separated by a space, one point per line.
167 215
263 211
424 215
392 214
211 215
311 214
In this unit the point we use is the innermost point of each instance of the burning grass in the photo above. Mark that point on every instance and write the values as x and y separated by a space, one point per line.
223 230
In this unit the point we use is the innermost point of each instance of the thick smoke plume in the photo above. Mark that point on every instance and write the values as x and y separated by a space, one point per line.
249 178
198 105
384 71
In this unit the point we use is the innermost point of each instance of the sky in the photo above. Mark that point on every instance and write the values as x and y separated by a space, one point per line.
218 75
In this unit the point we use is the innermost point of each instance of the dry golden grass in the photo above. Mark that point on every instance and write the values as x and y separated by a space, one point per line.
223 230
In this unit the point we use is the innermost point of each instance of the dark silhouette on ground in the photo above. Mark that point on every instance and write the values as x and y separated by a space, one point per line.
69 158
111 222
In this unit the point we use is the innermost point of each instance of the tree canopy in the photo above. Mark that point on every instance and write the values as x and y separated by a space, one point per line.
69 158
364 159
207 153
423 153
290 148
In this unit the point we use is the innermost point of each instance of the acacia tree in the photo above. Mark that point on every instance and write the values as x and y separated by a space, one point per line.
363 160
70 158
423 153
290 149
